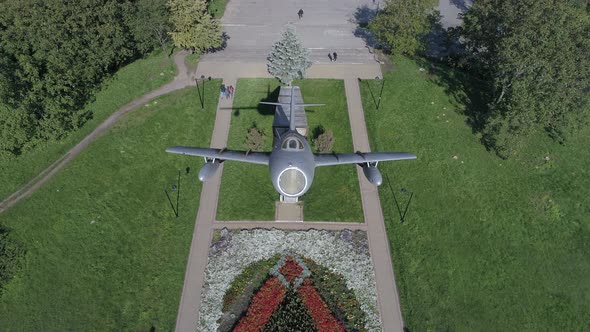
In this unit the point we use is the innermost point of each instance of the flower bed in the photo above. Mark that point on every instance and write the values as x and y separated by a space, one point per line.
343 304
263 305
249 280
343 253
319 311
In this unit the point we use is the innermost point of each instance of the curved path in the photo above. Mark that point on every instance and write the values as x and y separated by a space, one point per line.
182 80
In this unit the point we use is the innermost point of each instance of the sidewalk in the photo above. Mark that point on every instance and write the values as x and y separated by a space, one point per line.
388 297
188 312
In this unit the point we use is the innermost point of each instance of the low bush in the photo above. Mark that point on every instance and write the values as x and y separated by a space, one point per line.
11 257
254 139
324 142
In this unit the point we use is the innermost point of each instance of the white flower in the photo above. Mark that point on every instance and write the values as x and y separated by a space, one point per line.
323 247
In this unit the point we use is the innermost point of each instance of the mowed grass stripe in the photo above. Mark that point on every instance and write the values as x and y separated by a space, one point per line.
488 244
246 190
104 250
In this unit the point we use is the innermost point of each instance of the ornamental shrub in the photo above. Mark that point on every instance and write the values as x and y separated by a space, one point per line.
255 139
325 142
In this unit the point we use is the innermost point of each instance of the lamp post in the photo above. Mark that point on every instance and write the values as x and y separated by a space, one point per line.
382 80
202 94
176 188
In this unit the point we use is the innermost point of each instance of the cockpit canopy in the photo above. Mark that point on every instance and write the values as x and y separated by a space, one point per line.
292 143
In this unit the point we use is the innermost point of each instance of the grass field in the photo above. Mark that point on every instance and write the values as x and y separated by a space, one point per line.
488 244
104 250
128 83
246 190
217 8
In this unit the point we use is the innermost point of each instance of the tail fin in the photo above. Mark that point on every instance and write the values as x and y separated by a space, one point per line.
291 105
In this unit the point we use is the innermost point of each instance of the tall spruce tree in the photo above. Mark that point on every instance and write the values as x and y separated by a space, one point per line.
193 27
288 59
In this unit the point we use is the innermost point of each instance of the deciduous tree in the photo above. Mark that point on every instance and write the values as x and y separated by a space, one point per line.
401 24
192 25
536 55
54 54
150 24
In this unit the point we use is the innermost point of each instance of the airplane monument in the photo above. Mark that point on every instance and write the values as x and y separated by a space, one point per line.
291 162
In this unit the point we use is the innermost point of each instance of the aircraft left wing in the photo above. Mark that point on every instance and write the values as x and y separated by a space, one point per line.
222 154
359 158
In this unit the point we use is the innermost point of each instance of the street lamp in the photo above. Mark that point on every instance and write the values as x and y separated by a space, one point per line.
202 94
380 92
176 188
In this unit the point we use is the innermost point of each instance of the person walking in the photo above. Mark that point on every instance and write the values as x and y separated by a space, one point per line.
335 56
222 92
330 56
300 13
231 91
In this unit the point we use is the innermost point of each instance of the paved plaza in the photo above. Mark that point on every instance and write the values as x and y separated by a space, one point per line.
327 26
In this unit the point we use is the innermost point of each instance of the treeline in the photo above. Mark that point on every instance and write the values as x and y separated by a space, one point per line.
532 55
55 53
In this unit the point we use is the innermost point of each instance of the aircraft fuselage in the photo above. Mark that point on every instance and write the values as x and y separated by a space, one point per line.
291 164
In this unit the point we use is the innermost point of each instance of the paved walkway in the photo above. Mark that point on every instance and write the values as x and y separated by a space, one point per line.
182 80
388 299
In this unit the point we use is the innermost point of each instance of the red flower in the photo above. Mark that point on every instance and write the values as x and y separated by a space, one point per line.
291 269
262 306
318 310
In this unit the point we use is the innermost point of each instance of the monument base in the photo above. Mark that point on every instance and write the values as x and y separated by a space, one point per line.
289 211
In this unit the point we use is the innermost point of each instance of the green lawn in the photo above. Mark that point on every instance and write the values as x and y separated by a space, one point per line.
104 250
488 244
128 83
217 8
246 190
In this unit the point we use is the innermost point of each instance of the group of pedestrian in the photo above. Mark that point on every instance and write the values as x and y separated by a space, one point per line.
333 56
226 91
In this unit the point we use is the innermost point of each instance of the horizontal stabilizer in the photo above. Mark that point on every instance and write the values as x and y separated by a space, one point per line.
288 104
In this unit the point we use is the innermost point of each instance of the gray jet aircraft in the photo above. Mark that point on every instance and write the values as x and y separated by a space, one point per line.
291 163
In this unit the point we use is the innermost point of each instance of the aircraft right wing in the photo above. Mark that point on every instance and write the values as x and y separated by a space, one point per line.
260 158
359 158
